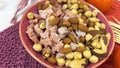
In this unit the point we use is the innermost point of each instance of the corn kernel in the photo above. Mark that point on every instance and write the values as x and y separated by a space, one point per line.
81 21
60 61
94 13
103 26
37 47
74 11
42 25
30 15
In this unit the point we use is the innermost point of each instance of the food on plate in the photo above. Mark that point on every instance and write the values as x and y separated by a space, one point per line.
68 33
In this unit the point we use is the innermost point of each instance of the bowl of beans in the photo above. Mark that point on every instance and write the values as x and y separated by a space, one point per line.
66 33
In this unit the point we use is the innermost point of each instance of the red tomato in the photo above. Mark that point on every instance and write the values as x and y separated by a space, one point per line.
117 59
102 5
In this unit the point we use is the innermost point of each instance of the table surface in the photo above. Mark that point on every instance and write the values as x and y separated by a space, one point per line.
7 10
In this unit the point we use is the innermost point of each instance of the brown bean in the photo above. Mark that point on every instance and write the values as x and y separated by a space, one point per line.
80 49
66 23
74 20
65 50
54 21
83 27
75 26
91 24
40 6
67 40
84 17
52 60
70 28
72 37
82 39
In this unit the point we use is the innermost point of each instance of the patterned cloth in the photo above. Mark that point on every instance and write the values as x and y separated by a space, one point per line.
13 54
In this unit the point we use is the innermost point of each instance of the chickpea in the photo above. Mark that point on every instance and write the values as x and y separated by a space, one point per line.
81 21
88 13
81 44
74 1
77 55
67 46
91 28
87 54
67 63
46 53
51 17
64 7
74 6
86 8
60 1
37 47
103 26
30 15
42 25
74 11
75 64
69 55
93 59
94 19
60 61
94 13
97 27
88 37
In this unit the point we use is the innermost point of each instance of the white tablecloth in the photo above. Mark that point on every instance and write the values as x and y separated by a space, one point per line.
7 10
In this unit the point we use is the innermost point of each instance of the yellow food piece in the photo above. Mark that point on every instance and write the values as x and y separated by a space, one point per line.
37 47
60 61
74 6
93 59
88 13
46 53
74 11
69 55
64 7
75 64
88 37
87 54
67 63
42 25
74 1
67 46
30 15
77 55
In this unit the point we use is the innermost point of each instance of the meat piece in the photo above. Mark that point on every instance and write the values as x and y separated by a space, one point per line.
46 42
53 29
73 45
62 36
63 30
46 34
80 33
60 55
45 13
57 46
37 29
57 10
68 14
34 21
55 37
31 33
77 38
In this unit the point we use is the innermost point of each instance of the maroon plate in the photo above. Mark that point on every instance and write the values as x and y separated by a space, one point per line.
27 43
